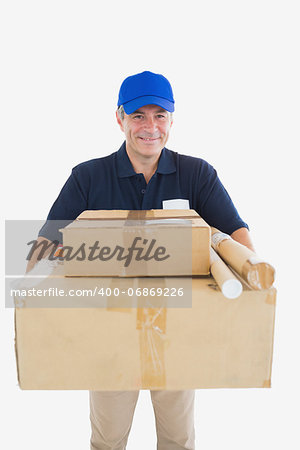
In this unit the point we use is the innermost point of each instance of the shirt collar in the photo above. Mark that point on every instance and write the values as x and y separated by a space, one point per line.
124 166
166 163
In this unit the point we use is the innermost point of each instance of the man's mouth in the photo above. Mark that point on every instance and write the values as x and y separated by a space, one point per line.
148 139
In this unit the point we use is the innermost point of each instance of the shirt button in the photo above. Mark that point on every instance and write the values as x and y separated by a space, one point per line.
143 191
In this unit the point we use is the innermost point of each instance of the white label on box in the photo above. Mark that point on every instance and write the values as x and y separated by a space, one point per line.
176 203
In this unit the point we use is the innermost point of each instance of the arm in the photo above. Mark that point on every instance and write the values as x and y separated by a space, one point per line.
216 207
42 249
71 201
242 236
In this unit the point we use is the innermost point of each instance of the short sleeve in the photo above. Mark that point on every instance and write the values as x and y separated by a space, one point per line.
71 201
215 204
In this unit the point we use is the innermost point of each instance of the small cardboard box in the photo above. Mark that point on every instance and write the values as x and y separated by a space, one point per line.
137 243
216 343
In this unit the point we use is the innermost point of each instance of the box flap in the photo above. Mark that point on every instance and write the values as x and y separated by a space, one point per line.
117 214
121 224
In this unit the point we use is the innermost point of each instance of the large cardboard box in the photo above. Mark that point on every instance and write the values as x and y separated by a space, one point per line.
137 243
70 343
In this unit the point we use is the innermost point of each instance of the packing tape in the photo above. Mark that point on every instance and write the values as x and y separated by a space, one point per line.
129 233
251 275
151 323
259 275
151 320
266 384
271 297
136 214
218 237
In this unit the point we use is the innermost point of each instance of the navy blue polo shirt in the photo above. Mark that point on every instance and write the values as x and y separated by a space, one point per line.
110 182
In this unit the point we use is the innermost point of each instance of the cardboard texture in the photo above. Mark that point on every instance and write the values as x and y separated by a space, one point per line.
171 243
217 343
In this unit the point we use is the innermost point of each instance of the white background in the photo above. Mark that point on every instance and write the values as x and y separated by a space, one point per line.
234 68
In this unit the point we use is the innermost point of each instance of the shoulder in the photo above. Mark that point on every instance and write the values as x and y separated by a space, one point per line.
93 166
192 163
94 163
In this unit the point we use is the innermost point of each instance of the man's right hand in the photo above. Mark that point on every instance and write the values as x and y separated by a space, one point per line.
40 250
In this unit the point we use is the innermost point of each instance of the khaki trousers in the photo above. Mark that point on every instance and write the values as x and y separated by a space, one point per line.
111 415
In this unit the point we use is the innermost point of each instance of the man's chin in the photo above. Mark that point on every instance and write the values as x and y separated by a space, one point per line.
153 147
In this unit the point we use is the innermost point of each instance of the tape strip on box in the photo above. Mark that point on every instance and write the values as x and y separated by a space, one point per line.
151 323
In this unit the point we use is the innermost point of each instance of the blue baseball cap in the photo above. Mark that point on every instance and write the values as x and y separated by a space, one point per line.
145 88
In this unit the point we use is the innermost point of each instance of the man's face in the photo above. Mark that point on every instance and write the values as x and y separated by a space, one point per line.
146 130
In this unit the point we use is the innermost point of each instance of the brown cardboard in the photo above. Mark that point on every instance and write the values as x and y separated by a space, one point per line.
230 286
258 273
180 239
218 343
119 214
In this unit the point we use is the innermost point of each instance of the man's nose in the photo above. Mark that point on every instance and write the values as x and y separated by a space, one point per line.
150 124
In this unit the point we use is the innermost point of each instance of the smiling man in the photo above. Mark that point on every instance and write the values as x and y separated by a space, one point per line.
146 131
143 174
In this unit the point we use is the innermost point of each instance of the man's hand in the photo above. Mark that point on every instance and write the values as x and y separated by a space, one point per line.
41 241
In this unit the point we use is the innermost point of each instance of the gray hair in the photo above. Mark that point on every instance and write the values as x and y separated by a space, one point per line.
121 113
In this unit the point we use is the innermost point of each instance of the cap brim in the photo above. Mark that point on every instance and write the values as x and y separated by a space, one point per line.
137 103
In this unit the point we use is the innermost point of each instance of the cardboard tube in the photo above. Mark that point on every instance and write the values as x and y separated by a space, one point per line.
230 286
256 272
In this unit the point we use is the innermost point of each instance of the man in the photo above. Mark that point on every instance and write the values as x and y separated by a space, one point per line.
143 175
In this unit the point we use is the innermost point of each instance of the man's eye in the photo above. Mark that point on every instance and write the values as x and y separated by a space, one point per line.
138 116
161 116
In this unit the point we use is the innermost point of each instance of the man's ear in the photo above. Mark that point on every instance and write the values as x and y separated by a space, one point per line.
119 121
